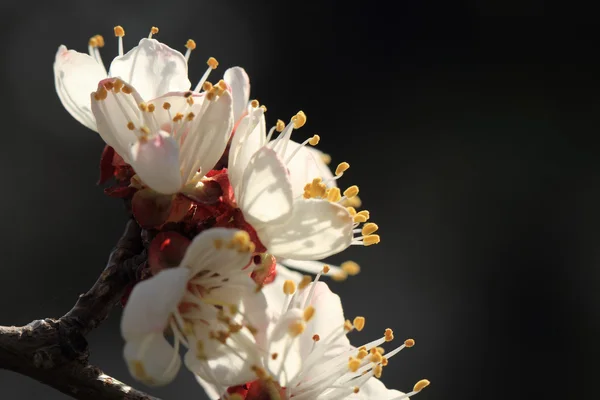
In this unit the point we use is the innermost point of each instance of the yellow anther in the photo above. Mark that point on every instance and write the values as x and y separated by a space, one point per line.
273 357
279 126
264 108
365 213
313 141
118 85
151 107
154 30
306 280
93 42
422 384
362 348
341 168
178 117
108 85
289 287
339 276
213 63
377 371
358 218
348 325
315 189
375 357
190 116
296 328
362 354
130 126
370 240
353 202
254 103
299 120
101 94
145 130
190 44
206 86
389 335
316 338
143 106
309 312
359 323
409 342
222 84
99 40
369 228
350 267
353 364
334 195
351 210
326 269
190 100
326 158
384 361
127 89
380 350
119 31
351 191
166 105
240 238
356 389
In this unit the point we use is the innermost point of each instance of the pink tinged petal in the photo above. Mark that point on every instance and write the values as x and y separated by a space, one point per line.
153 68
266 192
76 75
151 359
238 81
248 138
151 303
306 165
317 229
114 115
156 161
218 250
207 138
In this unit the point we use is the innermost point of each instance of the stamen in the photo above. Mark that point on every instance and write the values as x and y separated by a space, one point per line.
370 240
422 384
350 267
351 192
359 323
120 32
313 141
153 31
280 126
212 64
341 168
299 120
190 45
289 287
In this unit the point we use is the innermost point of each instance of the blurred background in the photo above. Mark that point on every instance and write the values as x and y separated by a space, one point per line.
471 128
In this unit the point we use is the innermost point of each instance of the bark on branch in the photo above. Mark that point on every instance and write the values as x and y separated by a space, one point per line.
55 351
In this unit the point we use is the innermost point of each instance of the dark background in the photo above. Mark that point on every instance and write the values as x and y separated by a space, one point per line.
471 128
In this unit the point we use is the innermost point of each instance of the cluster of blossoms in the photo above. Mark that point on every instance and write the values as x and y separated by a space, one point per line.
226 205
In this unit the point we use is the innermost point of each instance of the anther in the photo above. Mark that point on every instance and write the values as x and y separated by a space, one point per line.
334 195
93 42
206 86
178 117
190 44
359 323
341 168
130 126
353 364
313 141
409 342
289 287
326 269
389 335
264 108
299 120
145 130
339 276
119 31
358 218
362 354
309 312
212 63
369 228
422 384
370 240
143 106
254 103
316 338
280 126
190 116
348 325
306 280
351 191
356 389
296 328
273 357
127 89
151 107
351 210
350 267
166 105
154 30
377 371
365 213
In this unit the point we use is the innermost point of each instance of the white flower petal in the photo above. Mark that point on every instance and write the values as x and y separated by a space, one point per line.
374 389
248 138
151 303
306 165
226 370
211 251
317 229
152 360
156 161
178 103
238 80
209 388
153 68
266 193
113 114
76 75
207 137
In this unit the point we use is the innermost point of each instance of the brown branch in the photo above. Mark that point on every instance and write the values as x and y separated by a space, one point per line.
55 351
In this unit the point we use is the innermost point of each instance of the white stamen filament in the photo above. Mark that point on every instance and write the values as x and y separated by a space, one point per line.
203 79
120 45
